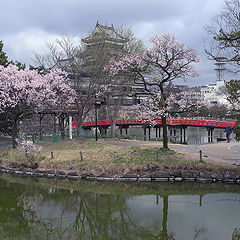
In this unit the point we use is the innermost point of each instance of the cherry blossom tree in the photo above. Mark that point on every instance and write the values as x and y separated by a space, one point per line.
148 109
166 60
25 92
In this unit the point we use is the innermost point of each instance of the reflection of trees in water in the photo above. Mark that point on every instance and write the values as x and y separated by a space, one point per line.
31 212
28 213
13 220
163 234
198 231
81 215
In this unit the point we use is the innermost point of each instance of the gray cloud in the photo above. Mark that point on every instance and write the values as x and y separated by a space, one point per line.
26 25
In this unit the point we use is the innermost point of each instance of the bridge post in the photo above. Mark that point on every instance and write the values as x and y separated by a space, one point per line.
103 130
121 130
145 133
156 128
183 133
159 132
100 130
210 133
174 131
170 130
120 127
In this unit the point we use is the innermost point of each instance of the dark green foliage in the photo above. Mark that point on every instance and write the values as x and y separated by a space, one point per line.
236 234
236 129
230 40
3 57
41 69
233 91
21 66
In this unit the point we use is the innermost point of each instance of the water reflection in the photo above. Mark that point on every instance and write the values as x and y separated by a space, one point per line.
50 209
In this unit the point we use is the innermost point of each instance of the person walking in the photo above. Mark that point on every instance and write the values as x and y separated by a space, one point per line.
228 131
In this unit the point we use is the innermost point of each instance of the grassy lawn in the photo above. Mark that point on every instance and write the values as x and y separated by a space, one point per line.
98 157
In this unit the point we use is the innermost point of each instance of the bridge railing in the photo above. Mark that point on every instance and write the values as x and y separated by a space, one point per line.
171 122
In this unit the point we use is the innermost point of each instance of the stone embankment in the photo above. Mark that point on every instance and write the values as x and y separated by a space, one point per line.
228 176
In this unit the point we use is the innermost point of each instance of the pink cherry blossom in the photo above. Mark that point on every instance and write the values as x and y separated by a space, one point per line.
164 61
25 92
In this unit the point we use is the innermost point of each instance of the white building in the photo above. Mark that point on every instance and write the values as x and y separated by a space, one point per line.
213 94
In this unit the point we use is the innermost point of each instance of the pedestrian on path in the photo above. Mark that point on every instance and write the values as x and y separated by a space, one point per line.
228 131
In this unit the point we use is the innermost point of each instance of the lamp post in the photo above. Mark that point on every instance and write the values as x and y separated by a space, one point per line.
97 106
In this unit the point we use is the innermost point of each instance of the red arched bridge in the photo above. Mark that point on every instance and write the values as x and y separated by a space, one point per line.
170 122
173 124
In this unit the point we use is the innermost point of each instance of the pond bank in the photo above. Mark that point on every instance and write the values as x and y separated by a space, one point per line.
116 161
228 176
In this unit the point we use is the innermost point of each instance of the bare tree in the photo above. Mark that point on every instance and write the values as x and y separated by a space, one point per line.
85 62
225 31
119 90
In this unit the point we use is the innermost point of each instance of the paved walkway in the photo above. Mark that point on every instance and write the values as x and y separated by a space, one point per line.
219 153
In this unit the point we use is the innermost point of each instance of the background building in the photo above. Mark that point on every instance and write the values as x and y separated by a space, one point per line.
214 93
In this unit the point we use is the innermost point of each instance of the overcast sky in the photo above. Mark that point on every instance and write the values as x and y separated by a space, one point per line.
27 25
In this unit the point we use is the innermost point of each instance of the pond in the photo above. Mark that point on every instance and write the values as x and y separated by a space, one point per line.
34 208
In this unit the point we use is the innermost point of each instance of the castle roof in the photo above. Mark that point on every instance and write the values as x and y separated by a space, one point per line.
103 33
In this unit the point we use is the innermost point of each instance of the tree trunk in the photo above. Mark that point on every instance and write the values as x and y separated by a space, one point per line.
14 133
79 126
112 112
40 126
165 216
113 128
62 125
165 137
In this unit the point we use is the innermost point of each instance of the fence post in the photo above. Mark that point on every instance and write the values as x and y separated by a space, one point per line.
200 152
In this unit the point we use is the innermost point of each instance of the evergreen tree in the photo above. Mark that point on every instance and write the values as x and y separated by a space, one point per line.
3 57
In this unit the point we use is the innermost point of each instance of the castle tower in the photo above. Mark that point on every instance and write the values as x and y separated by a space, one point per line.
104 36
103 43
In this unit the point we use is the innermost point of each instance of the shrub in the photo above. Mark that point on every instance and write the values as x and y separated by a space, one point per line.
29 148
